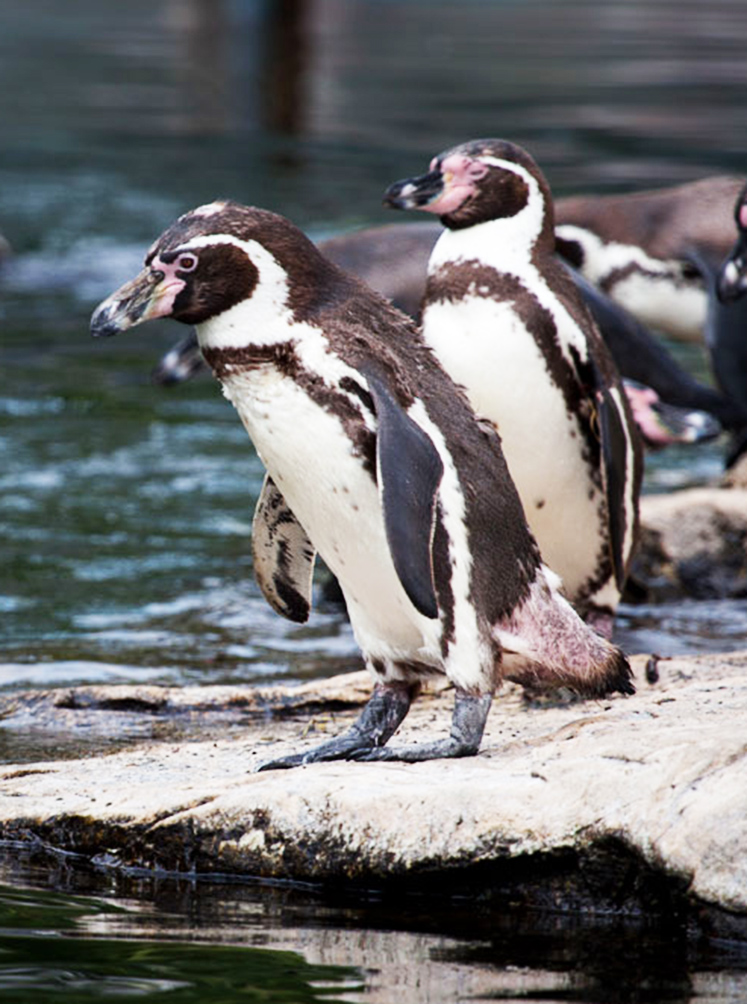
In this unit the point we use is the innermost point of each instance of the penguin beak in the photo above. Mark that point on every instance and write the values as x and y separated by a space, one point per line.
731 282
662 424
416 193
149 295
450 183
180 363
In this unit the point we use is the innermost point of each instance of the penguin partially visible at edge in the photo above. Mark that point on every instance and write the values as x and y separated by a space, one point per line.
375 460
505 320
726 322
731 282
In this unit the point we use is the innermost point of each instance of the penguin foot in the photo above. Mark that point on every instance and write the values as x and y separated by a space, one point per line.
375 725
342 748
467 727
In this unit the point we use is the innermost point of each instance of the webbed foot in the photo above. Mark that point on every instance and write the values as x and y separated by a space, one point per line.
375 725
467 727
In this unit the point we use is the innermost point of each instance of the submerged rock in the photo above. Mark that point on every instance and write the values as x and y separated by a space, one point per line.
627 804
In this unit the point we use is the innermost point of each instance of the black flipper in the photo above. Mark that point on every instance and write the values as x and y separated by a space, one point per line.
283 555
409 472
614 446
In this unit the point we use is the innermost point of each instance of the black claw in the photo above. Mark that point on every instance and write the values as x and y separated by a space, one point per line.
335 749
282 763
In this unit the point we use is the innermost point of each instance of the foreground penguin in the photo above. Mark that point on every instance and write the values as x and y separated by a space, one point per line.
375 460
506 322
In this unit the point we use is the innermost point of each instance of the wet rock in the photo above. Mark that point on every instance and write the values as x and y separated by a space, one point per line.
693 543
611 804
736 476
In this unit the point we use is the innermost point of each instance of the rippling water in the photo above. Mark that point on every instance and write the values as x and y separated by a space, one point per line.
98 936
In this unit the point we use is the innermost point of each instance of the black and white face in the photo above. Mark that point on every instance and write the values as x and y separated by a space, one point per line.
216 260
472 183
201 279
189 275
731 282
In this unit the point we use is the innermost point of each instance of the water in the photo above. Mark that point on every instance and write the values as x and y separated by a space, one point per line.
126 508
78 934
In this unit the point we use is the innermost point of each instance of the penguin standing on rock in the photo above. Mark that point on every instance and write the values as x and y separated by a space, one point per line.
375 461
505 320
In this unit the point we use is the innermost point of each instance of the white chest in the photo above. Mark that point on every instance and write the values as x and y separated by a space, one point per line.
313 462
488 348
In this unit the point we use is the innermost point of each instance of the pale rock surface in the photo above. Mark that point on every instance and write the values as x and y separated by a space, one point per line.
663 772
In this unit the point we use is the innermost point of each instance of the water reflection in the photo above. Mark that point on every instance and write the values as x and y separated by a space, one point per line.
79 931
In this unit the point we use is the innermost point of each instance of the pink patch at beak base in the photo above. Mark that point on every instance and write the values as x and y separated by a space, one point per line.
460 176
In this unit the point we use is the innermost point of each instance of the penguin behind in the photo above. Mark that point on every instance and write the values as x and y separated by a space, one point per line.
636 247
375 461
504 318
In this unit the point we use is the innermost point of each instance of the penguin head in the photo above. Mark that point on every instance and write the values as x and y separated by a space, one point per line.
478 181
213 259
731 281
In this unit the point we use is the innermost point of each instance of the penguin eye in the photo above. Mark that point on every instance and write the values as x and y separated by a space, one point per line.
187 263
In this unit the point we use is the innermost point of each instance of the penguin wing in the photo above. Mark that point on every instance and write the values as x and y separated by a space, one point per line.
409 471
614 447
283 555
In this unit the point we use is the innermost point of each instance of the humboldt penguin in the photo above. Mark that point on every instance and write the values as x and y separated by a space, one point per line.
505 320
731 281
636 247
726 324
375 461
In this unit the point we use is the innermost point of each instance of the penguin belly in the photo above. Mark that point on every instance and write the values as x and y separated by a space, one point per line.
311 459
507 380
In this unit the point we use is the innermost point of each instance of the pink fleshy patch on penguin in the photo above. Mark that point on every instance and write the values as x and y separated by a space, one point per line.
171 284
460 174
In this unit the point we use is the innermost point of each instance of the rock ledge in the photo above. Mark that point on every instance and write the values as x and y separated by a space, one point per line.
640 798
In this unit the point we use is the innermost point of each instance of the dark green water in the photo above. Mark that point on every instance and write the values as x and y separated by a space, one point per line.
125 508
75 933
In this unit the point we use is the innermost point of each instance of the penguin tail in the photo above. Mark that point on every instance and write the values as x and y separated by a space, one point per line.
545 645
616 677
